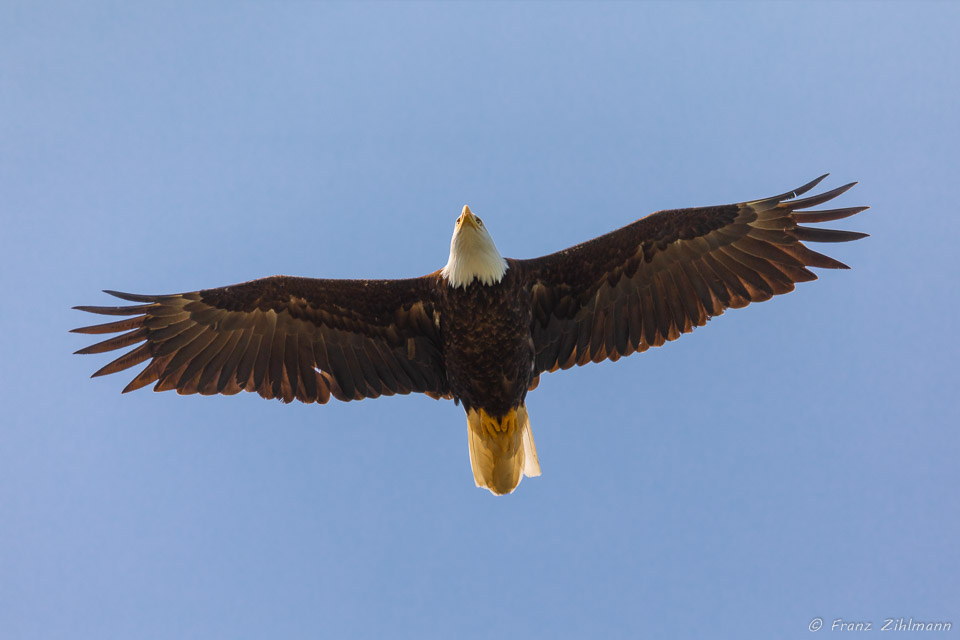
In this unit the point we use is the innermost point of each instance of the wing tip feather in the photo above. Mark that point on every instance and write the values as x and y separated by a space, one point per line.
131 297
799 191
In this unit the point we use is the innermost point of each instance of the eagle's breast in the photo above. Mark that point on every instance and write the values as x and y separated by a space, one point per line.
487 344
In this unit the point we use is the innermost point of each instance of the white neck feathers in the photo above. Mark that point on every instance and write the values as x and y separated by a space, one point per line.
473 256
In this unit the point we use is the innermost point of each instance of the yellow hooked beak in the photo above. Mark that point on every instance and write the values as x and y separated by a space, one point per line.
467 217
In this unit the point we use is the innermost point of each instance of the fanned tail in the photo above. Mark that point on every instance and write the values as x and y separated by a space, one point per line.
502 450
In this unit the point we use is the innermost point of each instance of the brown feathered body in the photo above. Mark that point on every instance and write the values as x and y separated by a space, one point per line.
487 346
483 329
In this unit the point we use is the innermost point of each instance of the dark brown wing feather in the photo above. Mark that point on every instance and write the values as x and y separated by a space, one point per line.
663 275
283 337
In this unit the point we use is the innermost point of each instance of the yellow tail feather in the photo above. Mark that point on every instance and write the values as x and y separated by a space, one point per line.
501 449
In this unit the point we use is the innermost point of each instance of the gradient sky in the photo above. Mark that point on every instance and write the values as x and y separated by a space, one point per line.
791 460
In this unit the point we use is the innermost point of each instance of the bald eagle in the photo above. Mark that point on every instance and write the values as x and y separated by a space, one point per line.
483 328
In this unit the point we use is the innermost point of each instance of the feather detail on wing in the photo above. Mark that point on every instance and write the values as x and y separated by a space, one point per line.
663 275
282 337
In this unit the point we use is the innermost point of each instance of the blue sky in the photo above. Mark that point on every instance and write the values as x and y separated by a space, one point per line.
791 460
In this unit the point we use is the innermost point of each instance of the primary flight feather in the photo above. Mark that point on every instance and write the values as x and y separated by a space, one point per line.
483 328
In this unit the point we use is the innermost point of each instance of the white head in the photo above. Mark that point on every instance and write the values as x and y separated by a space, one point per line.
473 254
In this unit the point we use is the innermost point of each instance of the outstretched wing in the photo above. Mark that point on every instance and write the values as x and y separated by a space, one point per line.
663 275
282 337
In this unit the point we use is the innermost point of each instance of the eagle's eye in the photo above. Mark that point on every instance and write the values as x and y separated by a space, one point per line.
479 222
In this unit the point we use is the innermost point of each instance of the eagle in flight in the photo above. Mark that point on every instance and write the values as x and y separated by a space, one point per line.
483 328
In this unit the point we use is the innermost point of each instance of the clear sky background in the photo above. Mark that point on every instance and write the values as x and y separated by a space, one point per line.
795 459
